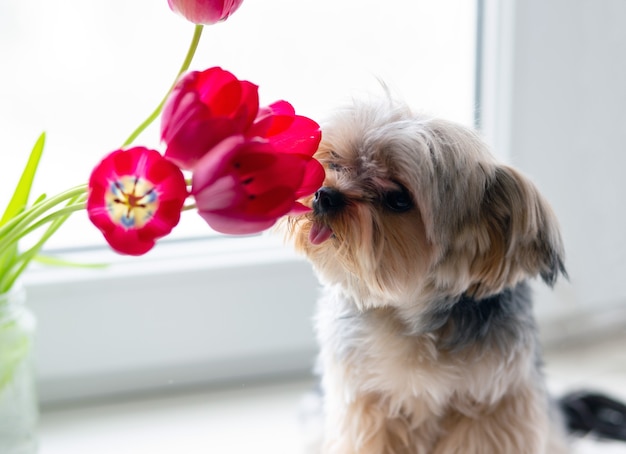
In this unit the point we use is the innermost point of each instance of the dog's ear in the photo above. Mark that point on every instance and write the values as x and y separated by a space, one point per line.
524 238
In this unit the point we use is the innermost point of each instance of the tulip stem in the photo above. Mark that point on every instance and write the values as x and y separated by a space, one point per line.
27 221
184 67
56 220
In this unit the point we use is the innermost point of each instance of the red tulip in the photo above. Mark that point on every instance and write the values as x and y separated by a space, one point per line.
272 119
205 11
287 131
244 185
291 133
135 197
203 109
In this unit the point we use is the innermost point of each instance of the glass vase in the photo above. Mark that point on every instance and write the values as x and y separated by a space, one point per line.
19 411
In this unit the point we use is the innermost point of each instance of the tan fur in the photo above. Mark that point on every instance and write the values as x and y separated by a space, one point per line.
477 227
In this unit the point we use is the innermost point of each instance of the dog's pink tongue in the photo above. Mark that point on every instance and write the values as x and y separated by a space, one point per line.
319 233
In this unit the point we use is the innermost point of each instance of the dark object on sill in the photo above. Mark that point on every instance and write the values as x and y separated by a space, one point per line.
594 413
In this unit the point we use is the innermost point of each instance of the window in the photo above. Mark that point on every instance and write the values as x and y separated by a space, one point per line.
553 97
200 306
88 73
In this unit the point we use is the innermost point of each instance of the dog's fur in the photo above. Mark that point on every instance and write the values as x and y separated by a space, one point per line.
428 342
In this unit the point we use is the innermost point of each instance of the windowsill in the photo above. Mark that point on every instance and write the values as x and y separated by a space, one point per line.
183 254
188 313
265 418
243 419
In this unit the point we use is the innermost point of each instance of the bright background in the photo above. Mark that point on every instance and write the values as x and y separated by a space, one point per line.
198 308
89 72
552 101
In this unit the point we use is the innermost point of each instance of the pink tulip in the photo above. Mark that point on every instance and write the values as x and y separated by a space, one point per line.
135 197
204 11
287 131
203 109
244 185
291 133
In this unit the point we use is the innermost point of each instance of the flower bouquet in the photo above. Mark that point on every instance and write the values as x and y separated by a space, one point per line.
240 165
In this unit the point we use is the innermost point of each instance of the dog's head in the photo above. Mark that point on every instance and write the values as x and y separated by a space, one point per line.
417 208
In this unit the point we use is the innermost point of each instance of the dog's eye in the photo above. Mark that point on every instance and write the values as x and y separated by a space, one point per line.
334 166
398 201
332 162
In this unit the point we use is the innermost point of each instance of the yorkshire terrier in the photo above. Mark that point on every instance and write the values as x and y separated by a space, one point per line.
425 245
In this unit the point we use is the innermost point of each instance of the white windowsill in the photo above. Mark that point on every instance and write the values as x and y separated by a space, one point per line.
267 417
188 313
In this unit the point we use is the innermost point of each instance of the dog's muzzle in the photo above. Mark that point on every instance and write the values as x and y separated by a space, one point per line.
328 201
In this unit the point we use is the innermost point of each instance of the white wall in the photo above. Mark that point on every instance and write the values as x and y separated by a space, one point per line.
564 115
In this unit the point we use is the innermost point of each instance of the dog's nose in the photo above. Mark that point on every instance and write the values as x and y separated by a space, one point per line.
328 200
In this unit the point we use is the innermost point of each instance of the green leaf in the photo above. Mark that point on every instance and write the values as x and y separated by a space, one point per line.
39 199
24 258
22 191
55 261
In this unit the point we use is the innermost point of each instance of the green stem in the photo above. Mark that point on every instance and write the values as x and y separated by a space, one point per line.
186 63
40 207
69 209
25 257
12 230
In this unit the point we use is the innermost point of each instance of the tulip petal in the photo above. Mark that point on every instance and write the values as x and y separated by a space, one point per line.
314 176
197 138
205 108
181 107
135 197
297 209
128 243
303 136
233 226
223 193
204 11
272 119
212 165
